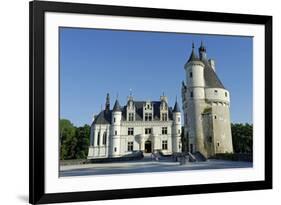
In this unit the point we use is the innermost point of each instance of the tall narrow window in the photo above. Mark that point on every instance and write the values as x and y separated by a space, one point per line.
225 94
190 74
115 132
164 144
164 130
130 131
148 130
131 116
191 94
148 117
164 116
130 146
104 138
114 120
98 140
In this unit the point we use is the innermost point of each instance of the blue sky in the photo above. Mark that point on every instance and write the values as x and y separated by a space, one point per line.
95 62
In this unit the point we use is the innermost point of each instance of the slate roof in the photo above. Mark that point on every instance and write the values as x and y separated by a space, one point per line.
116 106
104 117
211 78
176 107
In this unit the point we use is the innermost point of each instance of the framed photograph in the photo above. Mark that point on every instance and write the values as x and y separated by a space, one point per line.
130 102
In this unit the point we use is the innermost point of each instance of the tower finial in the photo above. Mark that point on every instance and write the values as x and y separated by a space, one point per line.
130 92
107 103
193 56
202 51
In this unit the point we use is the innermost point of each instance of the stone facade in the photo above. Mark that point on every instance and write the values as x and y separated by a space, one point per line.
205 104
138 126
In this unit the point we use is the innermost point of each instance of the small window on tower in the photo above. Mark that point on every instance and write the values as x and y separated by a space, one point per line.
225 94
191 94
190 74
216 91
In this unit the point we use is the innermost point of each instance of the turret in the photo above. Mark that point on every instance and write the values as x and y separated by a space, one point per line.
194 76
195 98
176 129
116 129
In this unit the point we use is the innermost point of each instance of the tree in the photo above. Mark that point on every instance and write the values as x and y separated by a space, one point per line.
67 139
242 138
74 141
82 135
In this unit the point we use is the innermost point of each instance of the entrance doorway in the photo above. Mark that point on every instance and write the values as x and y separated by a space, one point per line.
148 147
191 148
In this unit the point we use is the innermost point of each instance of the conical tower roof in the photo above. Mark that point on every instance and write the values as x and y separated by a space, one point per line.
176 107
193 56
117 107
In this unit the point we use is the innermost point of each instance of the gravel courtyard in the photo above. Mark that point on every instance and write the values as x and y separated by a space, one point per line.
143 166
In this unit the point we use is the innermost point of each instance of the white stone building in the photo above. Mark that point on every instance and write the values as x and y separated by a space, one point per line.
138 126
205 104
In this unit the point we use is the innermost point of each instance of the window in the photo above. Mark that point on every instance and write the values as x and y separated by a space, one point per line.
179 119
164 130
130 146
115 149
114 119
104 138
216 91
179 131
191 94
131 116
210 139
215 117
164 116
148 117
218 144
164 144
148 130
115 132
130 131
190 74
225 94
98 142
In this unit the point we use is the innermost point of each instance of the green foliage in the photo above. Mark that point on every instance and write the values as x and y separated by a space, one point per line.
74 141
242 138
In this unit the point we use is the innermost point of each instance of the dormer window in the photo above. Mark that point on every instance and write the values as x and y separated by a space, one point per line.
164 116
148 117
131 117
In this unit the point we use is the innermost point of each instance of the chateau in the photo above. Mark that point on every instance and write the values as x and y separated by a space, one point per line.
205 103
150 126
144 126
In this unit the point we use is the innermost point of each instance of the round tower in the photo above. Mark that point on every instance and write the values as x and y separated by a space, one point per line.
116 130
195 101
176 129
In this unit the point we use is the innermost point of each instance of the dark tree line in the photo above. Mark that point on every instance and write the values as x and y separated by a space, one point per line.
242 137
74 141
